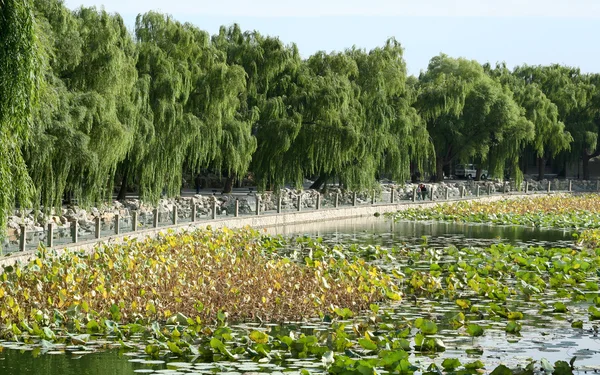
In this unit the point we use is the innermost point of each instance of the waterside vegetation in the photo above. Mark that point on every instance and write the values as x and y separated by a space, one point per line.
557 211
142 111
211 296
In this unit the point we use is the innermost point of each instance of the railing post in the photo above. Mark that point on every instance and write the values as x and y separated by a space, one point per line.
237 208
318 201
570 186
117 228
392 195
175 215
489 189
49 237
447 192
598 185
22 241
505 187
97 226
214 208
134 221
337 199
74 231
279 198
431 192
155 217
354 199
257 205
549 186
299 202
462 191
415 194
194 211
526 187
373 196
477 190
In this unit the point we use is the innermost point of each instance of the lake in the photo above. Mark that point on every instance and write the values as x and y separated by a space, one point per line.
545 334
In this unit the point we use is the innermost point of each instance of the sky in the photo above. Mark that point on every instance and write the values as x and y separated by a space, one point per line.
513 31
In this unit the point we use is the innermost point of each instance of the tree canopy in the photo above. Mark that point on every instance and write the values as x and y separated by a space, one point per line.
469 115
574 95
87 106
20 64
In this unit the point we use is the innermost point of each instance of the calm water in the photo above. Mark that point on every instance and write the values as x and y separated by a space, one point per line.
543 334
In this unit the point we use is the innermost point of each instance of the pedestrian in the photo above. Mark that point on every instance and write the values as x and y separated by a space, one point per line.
198 183
419 192
423 191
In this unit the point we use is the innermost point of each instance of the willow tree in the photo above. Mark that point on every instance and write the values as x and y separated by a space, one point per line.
331 118
85 122
188 100
273 77
168 64
65 153
573 94
219 101
550 135
469 115
19 76
509 131
392 133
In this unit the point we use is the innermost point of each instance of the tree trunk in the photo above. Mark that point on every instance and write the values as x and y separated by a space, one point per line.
123 190
585 163
541 168
319 182
229 184
439 169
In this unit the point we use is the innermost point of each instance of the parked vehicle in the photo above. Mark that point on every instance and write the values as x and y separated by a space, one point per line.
468 171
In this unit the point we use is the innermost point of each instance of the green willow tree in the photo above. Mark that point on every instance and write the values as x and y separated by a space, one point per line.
573 93
189 105
329 136
53 126
550 135
471 116
393 134
169 63
86 120
274 77
19 77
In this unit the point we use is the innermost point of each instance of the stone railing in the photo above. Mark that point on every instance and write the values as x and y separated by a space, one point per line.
75 225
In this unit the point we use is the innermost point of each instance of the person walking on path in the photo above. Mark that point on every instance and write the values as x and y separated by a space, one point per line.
423 191
198 183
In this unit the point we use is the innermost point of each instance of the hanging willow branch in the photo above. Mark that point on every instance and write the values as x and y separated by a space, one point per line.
19 77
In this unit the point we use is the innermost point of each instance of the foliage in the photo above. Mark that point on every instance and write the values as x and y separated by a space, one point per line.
175 295
590 238
86 120
275 76
20 61
148 109
195 274
550 134
578 211
470 115
575 94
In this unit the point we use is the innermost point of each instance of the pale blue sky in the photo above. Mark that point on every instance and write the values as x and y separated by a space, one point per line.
514 31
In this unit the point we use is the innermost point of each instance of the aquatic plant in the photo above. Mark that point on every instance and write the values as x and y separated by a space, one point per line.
557 211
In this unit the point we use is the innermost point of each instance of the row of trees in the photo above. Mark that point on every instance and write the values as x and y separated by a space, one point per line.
137 110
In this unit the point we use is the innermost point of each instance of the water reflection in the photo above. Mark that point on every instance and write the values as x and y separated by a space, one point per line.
380 231
17 362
